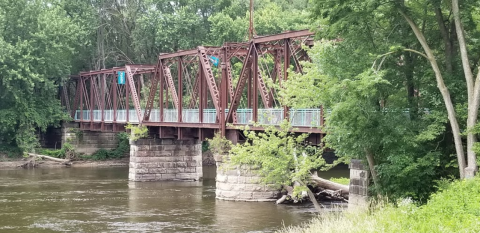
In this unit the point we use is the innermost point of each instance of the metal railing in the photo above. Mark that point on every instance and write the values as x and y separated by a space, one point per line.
298 117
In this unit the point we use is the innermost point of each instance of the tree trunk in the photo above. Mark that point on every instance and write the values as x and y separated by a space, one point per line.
326 184
371 165
473 89
445 94
64 161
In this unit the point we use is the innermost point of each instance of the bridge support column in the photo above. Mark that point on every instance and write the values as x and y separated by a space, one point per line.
87 142
358 190
241 184
165 159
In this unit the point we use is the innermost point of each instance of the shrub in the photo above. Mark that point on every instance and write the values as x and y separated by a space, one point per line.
453 209
122 148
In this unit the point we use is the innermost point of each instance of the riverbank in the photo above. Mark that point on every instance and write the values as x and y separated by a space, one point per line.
16 163
455 208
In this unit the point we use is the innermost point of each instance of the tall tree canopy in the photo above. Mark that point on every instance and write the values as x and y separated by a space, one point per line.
37 44
395 77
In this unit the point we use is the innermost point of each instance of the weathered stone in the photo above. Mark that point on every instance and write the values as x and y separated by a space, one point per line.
164 159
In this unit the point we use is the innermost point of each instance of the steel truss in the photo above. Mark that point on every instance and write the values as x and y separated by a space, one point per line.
158 93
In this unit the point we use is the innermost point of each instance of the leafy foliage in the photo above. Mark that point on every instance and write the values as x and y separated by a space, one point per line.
122 148
67 150
37 45
137 132
280 156
453 209
219 144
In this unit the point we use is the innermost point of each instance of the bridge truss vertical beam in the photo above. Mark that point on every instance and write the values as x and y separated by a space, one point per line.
153 91
286 64
180 89
224 92
256 81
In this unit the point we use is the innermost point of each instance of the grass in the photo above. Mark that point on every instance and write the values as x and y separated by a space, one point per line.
341 180
454 209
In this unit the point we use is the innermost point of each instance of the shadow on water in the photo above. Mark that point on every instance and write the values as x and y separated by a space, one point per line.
103 200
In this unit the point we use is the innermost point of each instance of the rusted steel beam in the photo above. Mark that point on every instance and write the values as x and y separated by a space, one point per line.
223 93
184 125
153 91
178 54
81 98
114 90
247 64
139 69
77 98
103 94
262 87
286 64
255 87
162 86
133 91
171 85
92 103
127 106
281 36
180 92
208 74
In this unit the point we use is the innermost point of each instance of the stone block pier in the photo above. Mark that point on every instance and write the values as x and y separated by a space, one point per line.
165 159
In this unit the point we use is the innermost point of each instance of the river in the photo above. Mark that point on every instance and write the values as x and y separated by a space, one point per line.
103 200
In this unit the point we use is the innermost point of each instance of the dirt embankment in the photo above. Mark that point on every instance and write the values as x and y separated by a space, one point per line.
13 163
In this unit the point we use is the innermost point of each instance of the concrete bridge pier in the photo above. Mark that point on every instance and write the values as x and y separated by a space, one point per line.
241 183
165 159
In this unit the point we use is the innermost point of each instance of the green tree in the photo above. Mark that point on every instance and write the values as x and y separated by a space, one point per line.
37 45
282 158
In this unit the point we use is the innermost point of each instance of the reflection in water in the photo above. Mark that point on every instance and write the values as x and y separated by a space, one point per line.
103 200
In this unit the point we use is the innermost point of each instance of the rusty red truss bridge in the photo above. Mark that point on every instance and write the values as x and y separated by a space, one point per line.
195 93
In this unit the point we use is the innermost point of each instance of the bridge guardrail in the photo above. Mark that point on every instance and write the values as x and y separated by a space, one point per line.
298 117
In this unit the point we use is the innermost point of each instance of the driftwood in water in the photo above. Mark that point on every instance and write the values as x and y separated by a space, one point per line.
29 164
66 162
325 190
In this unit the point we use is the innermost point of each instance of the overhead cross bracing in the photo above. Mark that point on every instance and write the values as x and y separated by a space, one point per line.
215 88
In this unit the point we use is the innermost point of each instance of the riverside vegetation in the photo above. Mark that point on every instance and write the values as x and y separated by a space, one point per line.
454 208
399 80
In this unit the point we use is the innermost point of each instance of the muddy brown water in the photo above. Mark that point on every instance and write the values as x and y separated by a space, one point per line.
103 200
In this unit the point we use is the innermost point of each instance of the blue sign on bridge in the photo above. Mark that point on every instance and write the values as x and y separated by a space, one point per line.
121 77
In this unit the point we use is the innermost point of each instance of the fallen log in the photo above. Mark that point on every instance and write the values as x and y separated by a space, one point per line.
63 161
326 184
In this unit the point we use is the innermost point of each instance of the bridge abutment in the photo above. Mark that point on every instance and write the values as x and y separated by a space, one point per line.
87 142
241 183
165 159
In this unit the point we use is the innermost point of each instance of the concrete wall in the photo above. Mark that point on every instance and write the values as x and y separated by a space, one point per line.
241 185
359 179
165 159
87 142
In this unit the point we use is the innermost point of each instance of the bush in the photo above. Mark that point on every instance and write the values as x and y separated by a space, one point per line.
122 148
453 209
